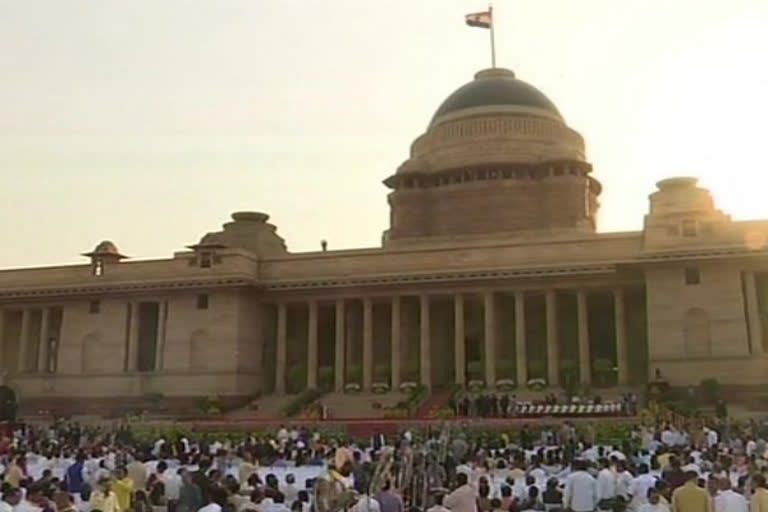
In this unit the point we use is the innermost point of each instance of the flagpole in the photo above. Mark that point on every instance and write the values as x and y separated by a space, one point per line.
493 40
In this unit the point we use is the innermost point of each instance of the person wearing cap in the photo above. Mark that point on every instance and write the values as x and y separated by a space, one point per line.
104 498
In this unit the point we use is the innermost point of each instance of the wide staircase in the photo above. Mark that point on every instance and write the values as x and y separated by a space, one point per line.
361 405
436 402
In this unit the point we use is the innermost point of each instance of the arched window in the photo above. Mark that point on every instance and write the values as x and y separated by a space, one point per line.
696 333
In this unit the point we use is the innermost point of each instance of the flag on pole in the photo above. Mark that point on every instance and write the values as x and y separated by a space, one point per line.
480 19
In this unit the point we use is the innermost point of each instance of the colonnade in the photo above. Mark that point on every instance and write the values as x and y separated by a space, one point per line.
425 340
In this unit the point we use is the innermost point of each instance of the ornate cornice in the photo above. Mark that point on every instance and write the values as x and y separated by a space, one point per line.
123 288
439 277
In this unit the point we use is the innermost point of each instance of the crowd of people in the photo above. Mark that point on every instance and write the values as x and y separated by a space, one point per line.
661 468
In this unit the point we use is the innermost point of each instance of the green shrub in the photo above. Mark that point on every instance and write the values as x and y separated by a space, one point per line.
537 369
381 372
506 369
354 374
296 377
603 368
475 370
710 390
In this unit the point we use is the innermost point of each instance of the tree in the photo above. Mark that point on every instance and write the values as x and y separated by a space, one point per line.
296 377
604 369
710 390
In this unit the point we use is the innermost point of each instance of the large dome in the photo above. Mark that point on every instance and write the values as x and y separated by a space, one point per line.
495 87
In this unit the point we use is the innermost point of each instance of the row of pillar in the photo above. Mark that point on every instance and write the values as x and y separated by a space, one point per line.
24 339
553 356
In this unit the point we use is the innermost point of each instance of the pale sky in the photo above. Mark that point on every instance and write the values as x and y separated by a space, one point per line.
148 122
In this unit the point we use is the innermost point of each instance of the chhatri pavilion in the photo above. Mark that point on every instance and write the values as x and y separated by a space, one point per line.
491 270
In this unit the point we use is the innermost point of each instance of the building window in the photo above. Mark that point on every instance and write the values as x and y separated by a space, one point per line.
673 230
98 268
202 301
692 276
206 260
94 307
689 228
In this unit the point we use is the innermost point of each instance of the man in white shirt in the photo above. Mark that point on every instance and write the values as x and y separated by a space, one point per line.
580 489
438 506
10 501
289 490
728 500
606 486
366 504
653 502
640 485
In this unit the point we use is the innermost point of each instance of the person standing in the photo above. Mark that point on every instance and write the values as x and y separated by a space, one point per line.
104 498
123 487
462 499
759 501
690 497
580 489
606 486
190 495
728 500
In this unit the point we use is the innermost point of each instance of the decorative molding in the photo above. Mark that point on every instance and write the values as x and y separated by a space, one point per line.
120 288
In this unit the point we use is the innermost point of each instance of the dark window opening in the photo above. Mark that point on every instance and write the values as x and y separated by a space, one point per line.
692 276
202 301
94 307
149 321
689 228
206 260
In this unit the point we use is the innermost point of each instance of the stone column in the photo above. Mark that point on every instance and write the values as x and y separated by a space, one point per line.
282 347
3 363
42 353
133 338
753 314
425 350
24 340
520 348
395 350
367 344
338 372
160 336
621 336
312 345
585 368
459 340
489 309
553 348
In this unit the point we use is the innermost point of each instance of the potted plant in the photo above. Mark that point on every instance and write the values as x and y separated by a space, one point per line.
380 387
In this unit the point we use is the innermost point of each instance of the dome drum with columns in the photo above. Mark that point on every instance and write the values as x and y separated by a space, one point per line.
497 158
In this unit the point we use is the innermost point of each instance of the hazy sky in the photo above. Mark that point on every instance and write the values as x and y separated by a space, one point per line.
148 122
